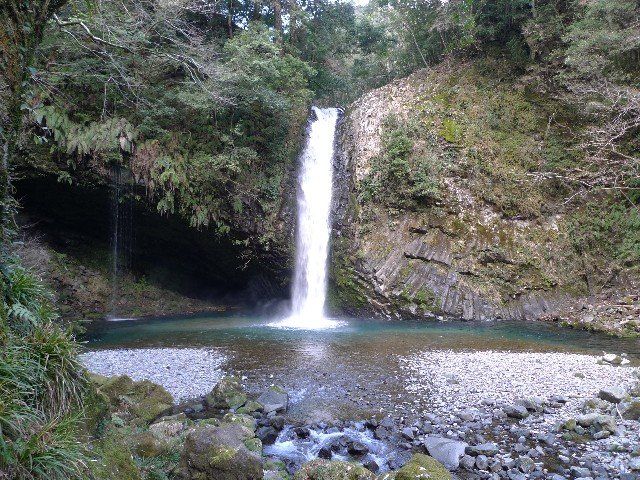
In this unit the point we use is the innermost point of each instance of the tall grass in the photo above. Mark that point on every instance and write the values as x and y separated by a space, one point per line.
41 383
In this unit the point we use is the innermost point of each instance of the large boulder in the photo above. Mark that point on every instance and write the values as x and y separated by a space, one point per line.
274 399
333 470
612 394
420 467
225 452
227 394
144 401
446 451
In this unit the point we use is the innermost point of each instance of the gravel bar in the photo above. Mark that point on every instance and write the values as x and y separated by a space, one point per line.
184 372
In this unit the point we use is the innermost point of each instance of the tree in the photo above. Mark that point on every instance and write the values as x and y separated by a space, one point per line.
22 30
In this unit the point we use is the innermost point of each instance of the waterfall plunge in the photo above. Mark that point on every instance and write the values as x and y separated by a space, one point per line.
314 225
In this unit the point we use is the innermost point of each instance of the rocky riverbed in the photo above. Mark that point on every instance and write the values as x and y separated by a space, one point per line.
484 414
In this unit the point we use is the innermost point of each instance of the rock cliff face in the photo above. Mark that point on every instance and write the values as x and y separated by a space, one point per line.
484 246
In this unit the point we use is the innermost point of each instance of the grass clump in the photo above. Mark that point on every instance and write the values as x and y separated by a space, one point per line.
41 383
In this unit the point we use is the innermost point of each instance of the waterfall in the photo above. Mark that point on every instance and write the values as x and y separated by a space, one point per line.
121 231
314 224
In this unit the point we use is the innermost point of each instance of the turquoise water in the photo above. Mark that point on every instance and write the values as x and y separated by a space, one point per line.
228 330
350 372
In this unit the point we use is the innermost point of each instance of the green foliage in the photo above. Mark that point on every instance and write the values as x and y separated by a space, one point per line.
604 41
398 175
607 230
41 384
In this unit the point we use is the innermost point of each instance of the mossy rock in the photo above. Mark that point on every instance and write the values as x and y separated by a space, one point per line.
244 420
420 467
144 400
147 445
276 470
227 394
250 407
333 470
221 453
114 460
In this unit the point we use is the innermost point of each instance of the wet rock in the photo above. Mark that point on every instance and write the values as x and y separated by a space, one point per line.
612 394
227 394
277 422
226 452
516 411
302 432
371 464
446 451
274 399
267 434
325 453
333 470
634 464
399 459
357 448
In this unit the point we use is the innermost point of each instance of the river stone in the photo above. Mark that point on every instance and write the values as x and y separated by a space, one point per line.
446 451
468 462
634 464
227 394
631 410
333 470
532 404
516 411
489 449
597 422
225 453
274 399
612 394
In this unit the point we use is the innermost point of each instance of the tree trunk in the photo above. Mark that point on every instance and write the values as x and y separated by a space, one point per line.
230 19
17 48
277 18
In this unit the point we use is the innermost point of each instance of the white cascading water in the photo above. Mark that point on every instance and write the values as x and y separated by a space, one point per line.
314 225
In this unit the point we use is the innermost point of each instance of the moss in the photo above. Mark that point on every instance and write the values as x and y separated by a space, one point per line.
145 400
227 394
96 410
450 130
250 407
253 445
333 470
114 460
423 467
241 419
